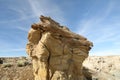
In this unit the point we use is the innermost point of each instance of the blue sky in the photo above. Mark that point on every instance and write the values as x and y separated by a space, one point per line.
98 20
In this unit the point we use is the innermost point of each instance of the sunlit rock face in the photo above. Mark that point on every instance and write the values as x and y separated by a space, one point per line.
56 52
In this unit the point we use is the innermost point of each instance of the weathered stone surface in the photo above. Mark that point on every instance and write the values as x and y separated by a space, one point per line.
103 67
57 53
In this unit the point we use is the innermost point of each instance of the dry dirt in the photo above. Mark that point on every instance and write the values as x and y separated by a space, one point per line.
96 68
16 69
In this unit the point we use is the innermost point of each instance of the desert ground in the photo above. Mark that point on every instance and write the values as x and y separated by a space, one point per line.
95 68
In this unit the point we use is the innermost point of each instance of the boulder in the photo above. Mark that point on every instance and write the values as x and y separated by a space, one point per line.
56 52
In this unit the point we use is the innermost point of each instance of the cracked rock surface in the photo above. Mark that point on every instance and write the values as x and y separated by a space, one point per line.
56 52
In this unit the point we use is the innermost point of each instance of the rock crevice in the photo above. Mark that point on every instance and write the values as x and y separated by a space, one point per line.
57 53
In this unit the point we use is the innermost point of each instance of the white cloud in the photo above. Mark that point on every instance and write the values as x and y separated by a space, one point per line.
100 29
12 50
23 29
88 25
32 10
108 34
47 8
35 8
22 14
95 28
105 52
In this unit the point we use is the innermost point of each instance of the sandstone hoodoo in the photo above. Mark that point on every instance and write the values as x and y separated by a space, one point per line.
56 52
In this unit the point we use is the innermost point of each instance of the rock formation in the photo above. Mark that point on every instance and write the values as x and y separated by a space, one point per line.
56 52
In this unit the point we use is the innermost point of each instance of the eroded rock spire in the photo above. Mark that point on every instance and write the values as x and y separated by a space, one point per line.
57 53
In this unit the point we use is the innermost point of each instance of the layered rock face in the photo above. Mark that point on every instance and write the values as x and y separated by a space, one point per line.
57 53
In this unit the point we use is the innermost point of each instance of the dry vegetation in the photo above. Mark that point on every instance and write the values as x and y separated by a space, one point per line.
20 68
16 69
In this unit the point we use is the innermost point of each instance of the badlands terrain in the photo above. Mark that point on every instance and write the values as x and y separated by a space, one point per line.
95 68
58 54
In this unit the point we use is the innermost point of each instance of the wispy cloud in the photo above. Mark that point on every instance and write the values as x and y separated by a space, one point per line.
106 52
19 17
103 30
22 29
22 14
109 34
35 8
88 25
94 27
47 8
12 50
15 52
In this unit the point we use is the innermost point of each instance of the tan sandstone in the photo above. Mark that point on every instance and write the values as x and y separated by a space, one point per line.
56 52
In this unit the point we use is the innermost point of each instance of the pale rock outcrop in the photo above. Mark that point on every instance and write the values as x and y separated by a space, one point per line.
57 53
103 67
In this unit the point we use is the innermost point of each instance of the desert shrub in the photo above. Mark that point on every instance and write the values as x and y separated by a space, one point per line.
22 63
95 79
1 61
22 57
7 65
